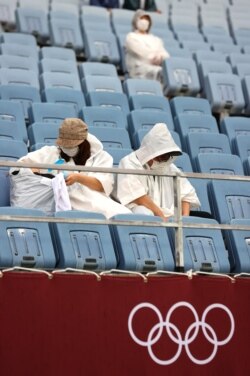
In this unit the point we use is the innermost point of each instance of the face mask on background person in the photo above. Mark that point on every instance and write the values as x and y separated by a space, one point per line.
142 24
71 152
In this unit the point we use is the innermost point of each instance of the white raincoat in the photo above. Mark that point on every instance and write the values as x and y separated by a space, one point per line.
157 141
82 197
141 50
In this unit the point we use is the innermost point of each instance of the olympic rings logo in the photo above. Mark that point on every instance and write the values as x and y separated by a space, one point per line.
175 335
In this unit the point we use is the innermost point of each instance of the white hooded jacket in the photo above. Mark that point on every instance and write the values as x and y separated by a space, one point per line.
157 141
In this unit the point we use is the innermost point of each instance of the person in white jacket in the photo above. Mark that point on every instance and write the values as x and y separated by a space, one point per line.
154 195
144 52
87 191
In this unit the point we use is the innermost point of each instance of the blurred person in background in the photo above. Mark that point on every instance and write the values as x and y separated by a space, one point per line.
148 5
109 4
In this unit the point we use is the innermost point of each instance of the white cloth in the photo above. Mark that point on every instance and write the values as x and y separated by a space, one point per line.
157 141
82 197
140 52
61 195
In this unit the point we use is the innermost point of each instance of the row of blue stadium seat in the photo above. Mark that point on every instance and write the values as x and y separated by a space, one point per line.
99 247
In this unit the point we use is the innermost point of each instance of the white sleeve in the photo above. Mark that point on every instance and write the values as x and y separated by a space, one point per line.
188 192
103 159
134 45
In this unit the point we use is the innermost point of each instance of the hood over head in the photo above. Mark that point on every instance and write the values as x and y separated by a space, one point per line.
138 14
156 142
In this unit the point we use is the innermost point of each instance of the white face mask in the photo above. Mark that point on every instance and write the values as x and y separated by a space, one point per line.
71 152
142 24
160 167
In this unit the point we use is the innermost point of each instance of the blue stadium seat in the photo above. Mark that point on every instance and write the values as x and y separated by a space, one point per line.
101 46
180 76
26 244
11 150
204 248
97 69
224 92
112 137
83 246
26 95
188 123
5 189
70 97
194 46
108 100
137 86
226 49
18 62
189 105
146 119
203 55
43 133
248 165
238 242
26 51
10 130
121 20
142 248
117 154
35 5
183 162
104 117
242 69
201 188
96 83
149 102
19 77
219 67
65 10
49 112
229 200
60 53
33 21
233 126
59 66
235 58
94 15
18 38
219 163
242 149
246 92
13 113
66 33
213 143
60 80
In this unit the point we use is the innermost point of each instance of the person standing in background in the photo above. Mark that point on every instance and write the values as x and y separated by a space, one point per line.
148 5
109 4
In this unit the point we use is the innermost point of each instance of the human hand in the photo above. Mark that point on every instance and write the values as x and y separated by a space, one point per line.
156 60
71 179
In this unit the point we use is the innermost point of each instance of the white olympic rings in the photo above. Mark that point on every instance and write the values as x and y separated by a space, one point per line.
175 335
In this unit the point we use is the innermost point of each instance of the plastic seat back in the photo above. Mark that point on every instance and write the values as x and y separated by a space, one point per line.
137 86
212 163
106 99
70 98
189 105
49 112
104 117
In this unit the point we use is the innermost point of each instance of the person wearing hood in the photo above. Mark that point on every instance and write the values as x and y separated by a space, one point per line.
149 194
87 191
148 5
144 52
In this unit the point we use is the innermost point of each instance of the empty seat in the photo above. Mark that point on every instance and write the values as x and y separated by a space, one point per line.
183 162
229 200
95 83
59 66
35 5
97 69
235 58
26 244
5 189
49 112
66 33
19 62
11 150
33 21
142 248
26 51
242 149
219 67
26 95
212 143
70 97
246 92
233 126
242 69
208 55
238 246
180 76
104 117
146 119
224 92
219 163
13 113
60 80
43 133
10 130
18 38
60 53
149 102
201 188
137 86
83 245
204 248
112 137
108 100
117 154
226 49
95 15
101 46
189 105
19 77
